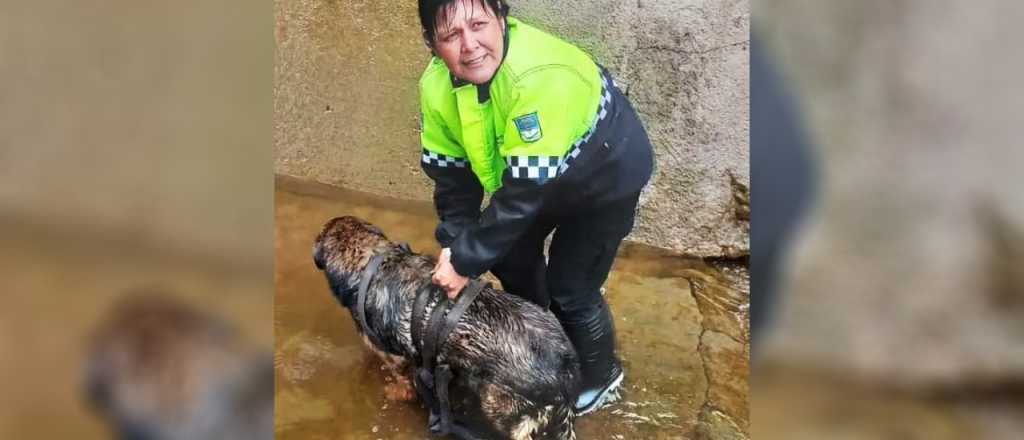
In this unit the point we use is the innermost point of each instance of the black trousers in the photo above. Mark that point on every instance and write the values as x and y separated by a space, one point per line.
582 251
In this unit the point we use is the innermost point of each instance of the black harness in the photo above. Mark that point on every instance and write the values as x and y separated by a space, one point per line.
432 378
371 270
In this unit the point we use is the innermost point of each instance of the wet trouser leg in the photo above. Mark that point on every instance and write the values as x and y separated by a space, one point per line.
522 270
581 255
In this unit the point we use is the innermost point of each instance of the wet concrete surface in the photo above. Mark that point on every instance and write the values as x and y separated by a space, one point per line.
681 326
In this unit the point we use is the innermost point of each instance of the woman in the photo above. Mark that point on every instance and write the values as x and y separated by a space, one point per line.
534 121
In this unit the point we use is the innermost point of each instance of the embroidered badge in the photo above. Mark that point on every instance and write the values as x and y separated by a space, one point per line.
529 127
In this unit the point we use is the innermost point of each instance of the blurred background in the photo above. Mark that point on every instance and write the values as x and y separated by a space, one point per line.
898 311
135 154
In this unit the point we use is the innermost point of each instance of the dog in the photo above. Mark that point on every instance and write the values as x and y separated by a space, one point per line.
158 369
515 372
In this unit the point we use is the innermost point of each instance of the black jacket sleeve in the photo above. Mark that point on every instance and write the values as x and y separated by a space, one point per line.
457 198
512 209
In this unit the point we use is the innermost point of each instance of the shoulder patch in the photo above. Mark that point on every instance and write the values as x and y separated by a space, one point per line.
529 127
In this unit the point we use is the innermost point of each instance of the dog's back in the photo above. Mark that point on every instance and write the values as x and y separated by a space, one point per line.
516 366
515 373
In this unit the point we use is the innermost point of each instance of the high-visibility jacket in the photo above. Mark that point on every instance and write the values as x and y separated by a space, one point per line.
548 131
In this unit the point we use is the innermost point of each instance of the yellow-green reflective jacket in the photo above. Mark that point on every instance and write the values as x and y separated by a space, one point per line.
549 132
524 117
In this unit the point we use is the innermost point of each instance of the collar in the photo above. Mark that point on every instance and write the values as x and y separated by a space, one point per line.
359 298
347 296
364 284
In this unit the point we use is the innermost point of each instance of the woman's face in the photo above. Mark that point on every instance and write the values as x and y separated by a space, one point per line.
470 41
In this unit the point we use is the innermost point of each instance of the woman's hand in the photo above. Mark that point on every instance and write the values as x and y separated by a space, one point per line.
446 276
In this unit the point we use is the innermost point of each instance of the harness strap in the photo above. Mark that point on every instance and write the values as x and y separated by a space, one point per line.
436 379
418 316
364 284
371 270
443 378
425 385
437 332
425 380
462 303
430 339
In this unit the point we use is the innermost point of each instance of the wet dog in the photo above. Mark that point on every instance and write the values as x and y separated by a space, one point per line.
158 369
515 370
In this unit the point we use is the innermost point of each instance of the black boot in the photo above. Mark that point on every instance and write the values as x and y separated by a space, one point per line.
592 333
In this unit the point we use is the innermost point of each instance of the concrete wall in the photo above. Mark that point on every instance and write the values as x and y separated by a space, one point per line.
134 154
346 104
139 124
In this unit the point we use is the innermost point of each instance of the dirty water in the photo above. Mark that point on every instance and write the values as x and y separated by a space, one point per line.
329 386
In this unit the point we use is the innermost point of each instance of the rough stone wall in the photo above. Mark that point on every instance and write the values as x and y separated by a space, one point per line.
346 109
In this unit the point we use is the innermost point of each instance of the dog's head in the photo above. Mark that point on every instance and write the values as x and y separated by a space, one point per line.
346 244
156 366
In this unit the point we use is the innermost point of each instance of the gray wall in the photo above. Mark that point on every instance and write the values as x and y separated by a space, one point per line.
139 125
909 270
346 109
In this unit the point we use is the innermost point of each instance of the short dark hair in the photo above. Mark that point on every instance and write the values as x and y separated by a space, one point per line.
432 10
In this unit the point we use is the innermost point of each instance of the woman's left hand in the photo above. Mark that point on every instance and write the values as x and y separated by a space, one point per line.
446 276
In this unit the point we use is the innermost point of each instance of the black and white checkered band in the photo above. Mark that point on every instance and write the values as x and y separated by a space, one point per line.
539 168
443 161
543 168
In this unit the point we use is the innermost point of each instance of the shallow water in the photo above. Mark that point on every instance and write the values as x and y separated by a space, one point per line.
329 386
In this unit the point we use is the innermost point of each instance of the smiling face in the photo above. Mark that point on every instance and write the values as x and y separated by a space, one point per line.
470 39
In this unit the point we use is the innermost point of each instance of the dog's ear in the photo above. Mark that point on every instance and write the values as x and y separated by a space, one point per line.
318 256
